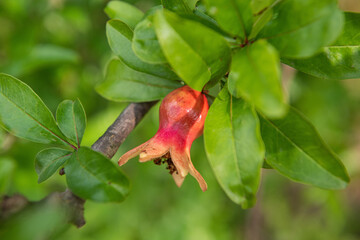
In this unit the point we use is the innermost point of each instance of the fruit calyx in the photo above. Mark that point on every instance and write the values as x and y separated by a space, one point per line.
181 120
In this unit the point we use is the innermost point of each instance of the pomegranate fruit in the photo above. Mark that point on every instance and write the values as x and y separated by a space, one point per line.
182 115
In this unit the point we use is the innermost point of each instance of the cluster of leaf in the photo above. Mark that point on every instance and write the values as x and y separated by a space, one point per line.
233 46
89 174
236 47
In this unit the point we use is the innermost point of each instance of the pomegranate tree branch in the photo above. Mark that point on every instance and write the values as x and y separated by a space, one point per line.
107 144
110 141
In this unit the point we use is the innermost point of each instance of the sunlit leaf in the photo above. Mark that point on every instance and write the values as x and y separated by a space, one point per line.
260 20
258 6
300 28
125 84
338 61
234 16
206 20
120 40
188 52
191 3
178 6
125 12
234 147
24 114
145 43
295 149
255 75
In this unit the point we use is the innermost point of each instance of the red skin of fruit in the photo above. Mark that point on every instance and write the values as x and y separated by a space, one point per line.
182 116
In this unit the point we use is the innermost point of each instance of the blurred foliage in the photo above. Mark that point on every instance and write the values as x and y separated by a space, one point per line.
59 48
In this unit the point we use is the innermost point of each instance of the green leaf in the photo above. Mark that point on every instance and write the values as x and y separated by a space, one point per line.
124 12
72 120
234 16
120 40
24 114
199 16
185 61
234 147
339 61
260 5
300 28
125 84
178 6
261 19
90 175
350 35
295 149
191 4
48 161
186 45
145 43
335 62
255 75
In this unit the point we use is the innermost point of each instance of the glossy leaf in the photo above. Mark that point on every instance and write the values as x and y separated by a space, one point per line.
260 20
178 6
234 16
191 4
71 118
145 43
206 20
350 35
188 51
259 6
300 28
24 114
335 62
185 61
48 161
91 175
125 12
295 149
339 61
120 40
255 75
125 84
234 147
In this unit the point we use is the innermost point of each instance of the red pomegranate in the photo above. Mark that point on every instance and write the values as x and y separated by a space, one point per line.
182 115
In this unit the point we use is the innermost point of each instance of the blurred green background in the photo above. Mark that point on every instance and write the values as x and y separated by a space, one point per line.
59 48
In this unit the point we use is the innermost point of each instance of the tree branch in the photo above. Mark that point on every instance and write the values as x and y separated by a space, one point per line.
107 144
115 135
